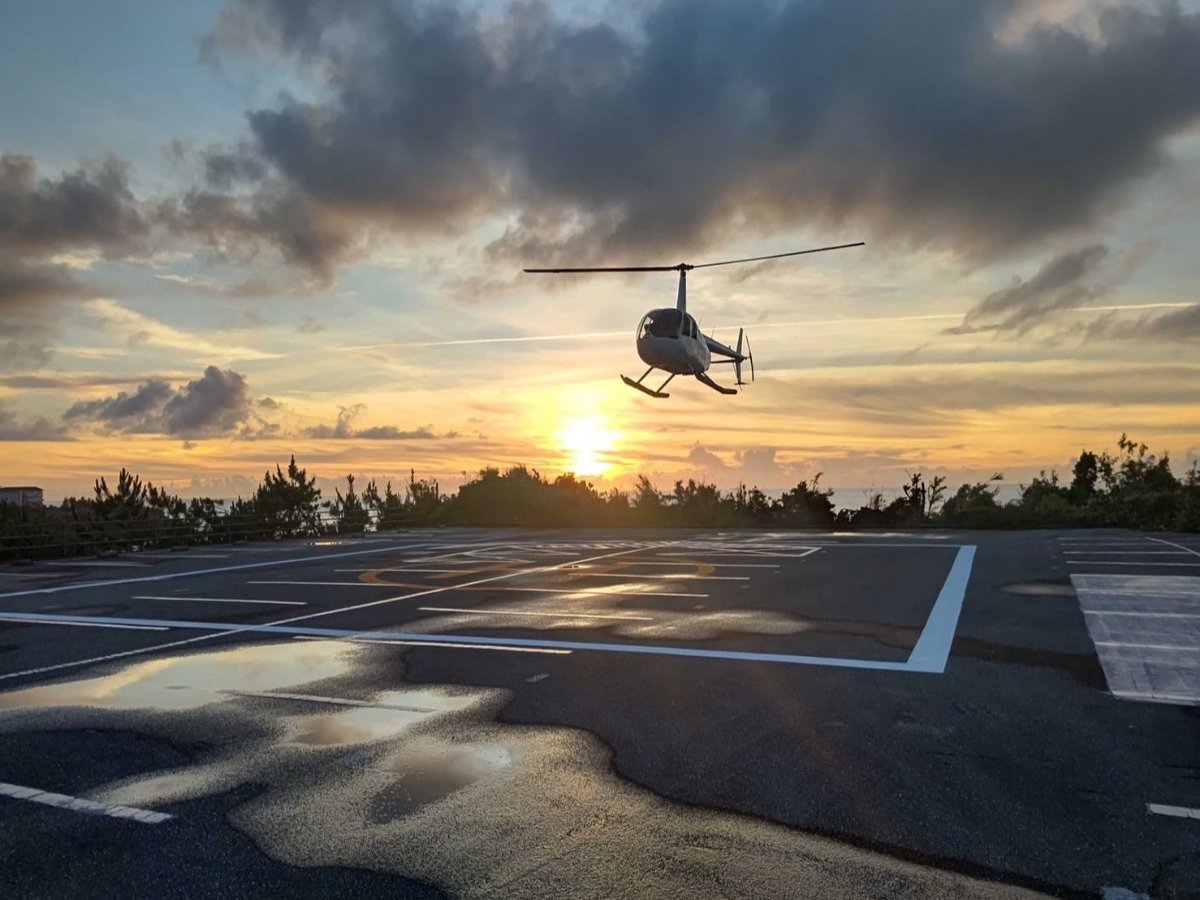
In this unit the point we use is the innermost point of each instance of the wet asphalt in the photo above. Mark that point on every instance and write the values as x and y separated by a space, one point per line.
795 752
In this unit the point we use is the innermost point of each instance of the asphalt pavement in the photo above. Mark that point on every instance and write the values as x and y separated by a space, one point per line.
516 713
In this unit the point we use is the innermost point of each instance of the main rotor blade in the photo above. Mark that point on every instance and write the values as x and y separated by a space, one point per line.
613 269
729 262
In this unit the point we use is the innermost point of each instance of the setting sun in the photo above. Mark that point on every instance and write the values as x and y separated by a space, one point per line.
586 442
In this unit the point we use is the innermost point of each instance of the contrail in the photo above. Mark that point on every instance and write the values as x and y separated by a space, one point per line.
811 323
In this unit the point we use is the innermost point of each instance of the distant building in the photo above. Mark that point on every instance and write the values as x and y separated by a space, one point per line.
21 496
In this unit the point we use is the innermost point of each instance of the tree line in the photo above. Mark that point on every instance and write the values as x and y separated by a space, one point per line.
1132 488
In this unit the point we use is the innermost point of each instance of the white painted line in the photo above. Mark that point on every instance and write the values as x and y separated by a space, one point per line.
1147 646
78 804
1147 614
1102 562
1179 812
700 563
325 583
32 619
1123 553
661 576
932 649
617 591
218 570
96 564
517 612
444 644
222 600
186 554
405 569
1175 545
223 631
473 642
333 701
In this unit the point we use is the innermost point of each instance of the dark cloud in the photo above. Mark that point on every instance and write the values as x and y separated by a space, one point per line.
217 404
37 430
89 210
1061 283
27 327
344 429
696 120
91 207
125 411
1178 325
214 404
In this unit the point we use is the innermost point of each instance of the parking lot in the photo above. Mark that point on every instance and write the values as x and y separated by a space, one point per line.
493 713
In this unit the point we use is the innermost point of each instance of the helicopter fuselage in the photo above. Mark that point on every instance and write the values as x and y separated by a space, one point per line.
669 339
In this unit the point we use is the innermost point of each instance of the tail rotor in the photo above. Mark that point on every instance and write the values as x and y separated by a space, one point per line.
743 357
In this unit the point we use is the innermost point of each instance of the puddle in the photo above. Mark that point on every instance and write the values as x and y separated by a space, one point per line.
423 782
187 682
428 776
383 720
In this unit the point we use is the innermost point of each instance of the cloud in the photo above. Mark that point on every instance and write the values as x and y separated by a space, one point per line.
143 330
36 430
217 404
1059 284
309 325
344 429
695 120
125 410
704 459
1178 325
91 207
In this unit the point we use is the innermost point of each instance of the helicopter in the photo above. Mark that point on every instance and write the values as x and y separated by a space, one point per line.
670 340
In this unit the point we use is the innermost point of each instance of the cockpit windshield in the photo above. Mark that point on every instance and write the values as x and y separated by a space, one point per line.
661 323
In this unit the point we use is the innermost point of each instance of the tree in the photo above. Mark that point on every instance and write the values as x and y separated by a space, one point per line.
285 505
806 506
350 515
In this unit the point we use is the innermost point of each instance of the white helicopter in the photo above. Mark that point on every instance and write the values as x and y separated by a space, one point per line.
669 339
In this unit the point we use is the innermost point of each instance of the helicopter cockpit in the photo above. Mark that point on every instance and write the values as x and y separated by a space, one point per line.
665 323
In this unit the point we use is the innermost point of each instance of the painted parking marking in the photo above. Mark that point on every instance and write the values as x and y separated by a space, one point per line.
1123 553
193 573
663 562
450 645
929 655
1146 629
79 805
190 554
222 632
517 612
33 619
1179 812
1101 562
97 564
660 576
323 583
221 600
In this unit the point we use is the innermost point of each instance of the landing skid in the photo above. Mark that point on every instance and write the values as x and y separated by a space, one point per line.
645 390
641 387
704 379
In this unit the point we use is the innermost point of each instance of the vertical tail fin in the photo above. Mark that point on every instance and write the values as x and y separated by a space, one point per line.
737 360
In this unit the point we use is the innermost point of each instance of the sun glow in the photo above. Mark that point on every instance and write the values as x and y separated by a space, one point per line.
586 442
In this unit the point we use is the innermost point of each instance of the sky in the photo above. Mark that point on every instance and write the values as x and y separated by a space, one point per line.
235 231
